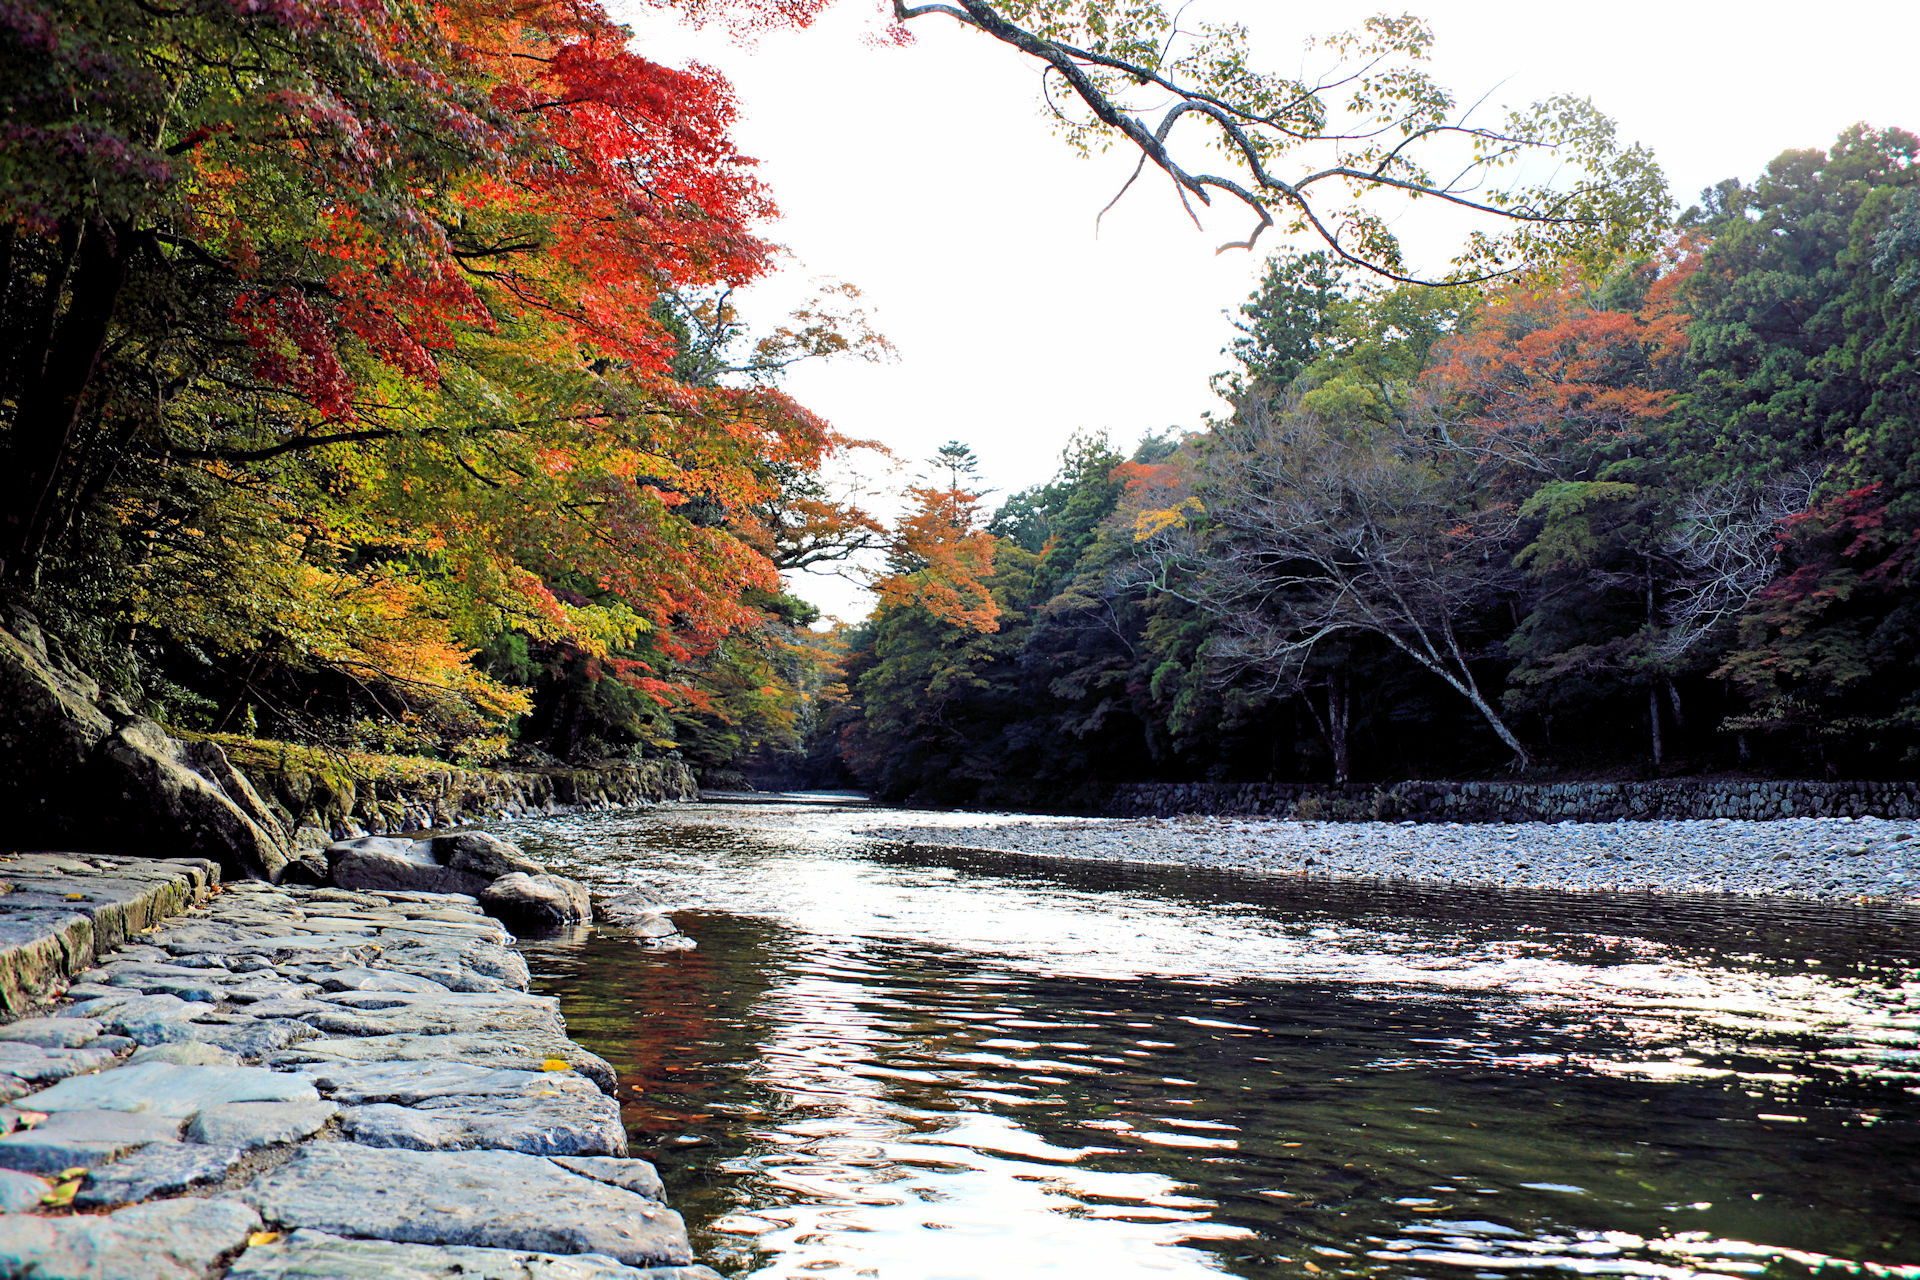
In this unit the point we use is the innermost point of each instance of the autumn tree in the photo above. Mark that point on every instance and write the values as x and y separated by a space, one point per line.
1558 390
940 556
1824 648
353 337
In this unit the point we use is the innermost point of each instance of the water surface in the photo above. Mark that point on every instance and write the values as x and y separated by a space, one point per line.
919 1064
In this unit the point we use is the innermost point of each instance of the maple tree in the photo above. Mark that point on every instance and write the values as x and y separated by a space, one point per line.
376 324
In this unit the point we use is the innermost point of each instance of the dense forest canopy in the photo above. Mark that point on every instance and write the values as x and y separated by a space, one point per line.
1650 513
372 377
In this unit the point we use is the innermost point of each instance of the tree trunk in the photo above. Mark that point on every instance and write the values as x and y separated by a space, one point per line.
1522 761
52 395
1337 708
1468 688
1653 715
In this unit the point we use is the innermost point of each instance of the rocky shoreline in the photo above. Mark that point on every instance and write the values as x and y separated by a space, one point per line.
286 1081
1827 859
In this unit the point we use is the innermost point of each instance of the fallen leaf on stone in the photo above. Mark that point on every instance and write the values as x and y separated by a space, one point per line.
556 1064
76 897
62 1195
264 1237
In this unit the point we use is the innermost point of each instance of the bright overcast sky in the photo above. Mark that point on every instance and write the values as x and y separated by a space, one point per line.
928 177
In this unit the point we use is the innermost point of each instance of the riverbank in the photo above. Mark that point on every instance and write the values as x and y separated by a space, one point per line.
1827 859
283 1081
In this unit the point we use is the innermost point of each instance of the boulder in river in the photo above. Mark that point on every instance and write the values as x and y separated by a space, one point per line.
483 854
638 912
392 863
537 902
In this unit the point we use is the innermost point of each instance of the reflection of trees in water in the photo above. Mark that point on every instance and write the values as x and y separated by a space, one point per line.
850 1088
673 1024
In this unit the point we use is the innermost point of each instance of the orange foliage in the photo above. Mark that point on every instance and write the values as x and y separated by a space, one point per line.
1545 372
942 561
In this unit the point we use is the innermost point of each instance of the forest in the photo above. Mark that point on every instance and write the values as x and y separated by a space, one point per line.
1652 516
371 376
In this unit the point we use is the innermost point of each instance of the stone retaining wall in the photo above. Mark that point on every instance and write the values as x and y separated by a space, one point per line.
344 807
1673 798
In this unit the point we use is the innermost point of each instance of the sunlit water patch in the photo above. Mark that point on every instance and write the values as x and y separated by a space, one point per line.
919 1065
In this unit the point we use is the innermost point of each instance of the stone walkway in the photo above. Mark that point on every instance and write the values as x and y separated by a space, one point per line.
289 1083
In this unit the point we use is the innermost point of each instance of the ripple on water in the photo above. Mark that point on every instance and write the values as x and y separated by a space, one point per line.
913 1065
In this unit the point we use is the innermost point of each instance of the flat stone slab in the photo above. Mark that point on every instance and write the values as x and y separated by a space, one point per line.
52 1033
62 910
251 1037
409 1083
186 982
636 1176
37 1065
550 1123
514 1053
489 1199
309 1255
155 1019
247 1125
168 1089
357 979
163 1240
185 1053
158 1169
21 1192
378 1013
82 1139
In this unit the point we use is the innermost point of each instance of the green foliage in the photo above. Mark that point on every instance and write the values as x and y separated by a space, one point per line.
1675 523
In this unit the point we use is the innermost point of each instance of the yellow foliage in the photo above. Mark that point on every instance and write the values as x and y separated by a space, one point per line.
1149 522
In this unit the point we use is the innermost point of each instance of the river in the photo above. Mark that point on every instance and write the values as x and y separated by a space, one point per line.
918 1064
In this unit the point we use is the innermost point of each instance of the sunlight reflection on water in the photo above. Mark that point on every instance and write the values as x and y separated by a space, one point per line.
925 1066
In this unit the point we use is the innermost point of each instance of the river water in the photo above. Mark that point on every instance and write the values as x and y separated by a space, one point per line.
920 1064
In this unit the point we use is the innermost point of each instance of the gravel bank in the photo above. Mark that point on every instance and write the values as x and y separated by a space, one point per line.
1829 859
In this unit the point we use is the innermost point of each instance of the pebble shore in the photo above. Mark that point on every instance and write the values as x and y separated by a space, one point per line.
1828 859
286 1083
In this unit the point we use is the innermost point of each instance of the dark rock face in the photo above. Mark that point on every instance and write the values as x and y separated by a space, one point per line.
80 770
537 903
320 809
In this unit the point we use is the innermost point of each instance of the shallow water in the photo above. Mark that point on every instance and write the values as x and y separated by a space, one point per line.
925 1065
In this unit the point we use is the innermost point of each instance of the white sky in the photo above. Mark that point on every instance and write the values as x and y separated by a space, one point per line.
928 177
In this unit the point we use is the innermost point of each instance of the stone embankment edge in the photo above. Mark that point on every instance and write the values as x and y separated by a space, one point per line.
1425 801
340 805
295 1179
53 927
